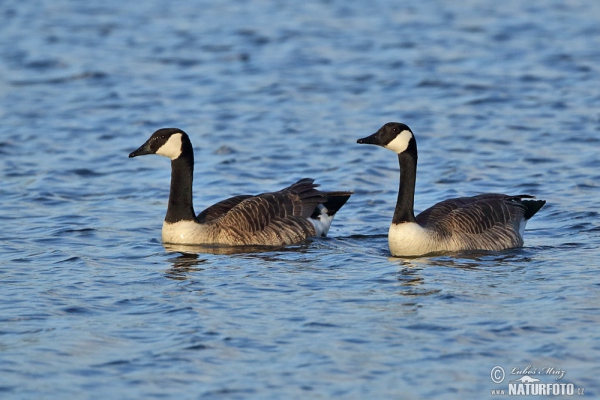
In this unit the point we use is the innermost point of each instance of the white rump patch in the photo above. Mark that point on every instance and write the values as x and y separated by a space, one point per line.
322 222
400 142
522 225
172 148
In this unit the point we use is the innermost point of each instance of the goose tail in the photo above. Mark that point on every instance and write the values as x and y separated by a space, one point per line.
322 216
532 207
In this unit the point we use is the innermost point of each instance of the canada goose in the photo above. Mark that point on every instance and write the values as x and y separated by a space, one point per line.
273 219
485 222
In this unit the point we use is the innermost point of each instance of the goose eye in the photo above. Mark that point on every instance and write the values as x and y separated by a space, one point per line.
395 130
163 137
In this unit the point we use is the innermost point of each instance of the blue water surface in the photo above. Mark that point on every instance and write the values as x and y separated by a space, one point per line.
503 97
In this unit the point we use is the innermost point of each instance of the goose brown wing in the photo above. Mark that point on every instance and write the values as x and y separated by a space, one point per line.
217 210
484 221
276 218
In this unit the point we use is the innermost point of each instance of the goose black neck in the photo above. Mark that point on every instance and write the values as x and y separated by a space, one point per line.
406 193
181 207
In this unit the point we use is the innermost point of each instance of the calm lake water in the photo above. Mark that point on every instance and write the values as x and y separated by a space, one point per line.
502 97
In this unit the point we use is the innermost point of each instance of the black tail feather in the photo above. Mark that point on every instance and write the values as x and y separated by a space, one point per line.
335 201
532 206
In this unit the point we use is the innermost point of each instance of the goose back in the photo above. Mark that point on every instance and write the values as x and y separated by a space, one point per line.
275 219
217 210
488 221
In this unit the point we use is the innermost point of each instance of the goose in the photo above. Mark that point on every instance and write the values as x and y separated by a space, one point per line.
281 218
488 221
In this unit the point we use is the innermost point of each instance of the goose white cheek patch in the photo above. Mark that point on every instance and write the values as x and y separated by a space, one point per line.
400 142
172 148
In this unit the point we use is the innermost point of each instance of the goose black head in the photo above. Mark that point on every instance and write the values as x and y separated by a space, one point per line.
168 142
394 136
